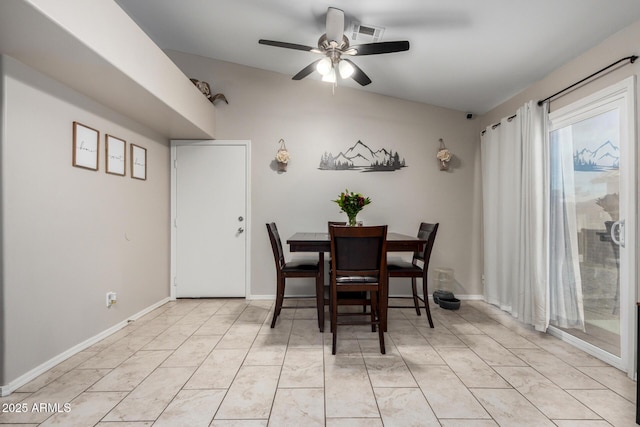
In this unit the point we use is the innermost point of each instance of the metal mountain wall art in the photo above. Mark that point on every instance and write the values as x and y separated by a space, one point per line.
360 157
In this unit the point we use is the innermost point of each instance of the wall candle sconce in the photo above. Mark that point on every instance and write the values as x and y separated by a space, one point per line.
282 156
443 156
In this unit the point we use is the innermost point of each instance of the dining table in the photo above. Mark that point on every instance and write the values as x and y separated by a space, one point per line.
320 242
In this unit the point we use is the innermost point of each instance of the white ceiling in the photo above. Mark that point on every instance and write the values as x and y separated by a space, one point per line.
468 55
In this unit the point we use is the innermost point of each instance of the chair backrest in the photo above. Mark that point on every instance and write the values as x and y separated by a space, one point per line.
276 245
427 232
359 251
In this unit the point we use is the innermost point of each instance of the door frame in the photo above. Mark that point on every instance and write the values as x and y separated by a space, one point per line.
247 159
623 93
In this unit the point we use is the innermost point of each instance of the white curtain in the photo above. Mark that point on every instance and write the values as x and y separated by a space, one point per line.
500 158
515 200
565 283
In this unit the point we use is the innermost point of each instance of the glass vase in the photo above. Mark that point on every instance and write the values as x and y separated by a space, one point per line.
352 220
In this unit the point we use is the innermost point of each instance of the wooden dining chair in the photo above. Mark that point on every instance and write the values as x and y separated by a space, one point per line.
341 224
293 269
358 264
417 268
329 224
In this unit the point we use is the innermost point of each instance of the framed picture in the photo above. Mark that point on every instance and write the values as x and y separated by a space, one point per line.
138 162
115 155
85 146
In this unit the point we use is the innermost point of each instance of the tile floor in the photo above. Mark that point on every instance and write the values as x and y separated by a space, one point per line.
217 363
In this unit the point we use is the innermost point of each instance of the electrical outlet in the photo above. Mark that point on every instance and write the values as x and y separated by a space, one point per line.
111 299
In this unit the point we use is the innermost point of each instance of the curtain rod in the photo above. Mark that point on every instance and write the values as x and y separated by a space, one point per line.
631 59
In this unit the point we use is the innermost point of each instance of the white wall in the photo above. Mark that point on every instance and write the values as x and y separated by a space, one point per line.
69 235
266 106
622 44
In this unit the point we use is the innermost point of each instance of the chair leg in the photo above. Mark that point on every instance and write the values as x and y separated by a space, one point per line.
426 301
364 306
279 300
383 303
333 342
414 288
320 302
373 297
334 319
375 308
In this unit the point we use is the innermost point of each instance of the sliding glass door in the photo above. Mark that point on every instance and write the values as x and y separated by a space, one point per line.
592 223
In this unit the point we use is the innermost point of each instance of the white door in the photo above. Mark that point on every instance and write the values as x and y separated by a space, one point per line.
593 223
210 219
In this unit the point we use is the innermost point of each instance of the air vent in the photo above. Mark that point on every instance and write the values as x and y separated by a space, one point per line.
366 33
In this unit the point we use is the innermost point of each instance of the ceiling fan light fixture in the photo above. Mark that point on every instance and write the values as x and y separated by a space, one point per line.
330 76
324 67
346 70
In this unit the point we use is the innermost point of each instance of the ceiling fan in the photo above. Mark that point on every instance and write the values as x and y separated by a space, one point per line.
334 45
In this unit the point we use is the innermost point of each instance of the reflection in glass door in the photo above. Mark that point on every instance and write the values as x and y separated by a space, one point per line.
585 191
592 193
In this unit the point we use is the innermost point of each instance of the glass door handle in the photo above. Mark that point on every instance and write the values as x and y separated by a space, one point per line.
617 233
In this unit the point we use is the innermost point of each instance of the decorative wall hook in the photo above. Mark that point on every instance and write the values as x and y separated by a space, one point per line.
282 156
443 156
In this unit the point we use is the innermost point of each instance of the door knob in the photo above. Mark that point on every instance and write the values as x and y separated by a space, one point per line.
618 233
240 230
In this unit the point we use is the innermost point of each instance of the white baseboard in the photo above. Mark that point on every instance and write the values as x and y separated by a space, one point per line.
261 297
460 297
273 297
7 389
470 297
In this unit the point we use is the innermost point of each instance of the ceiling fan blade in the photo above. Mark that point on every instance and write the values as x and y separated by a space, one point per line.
381 47
306 70
358 75
286 45
335 25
